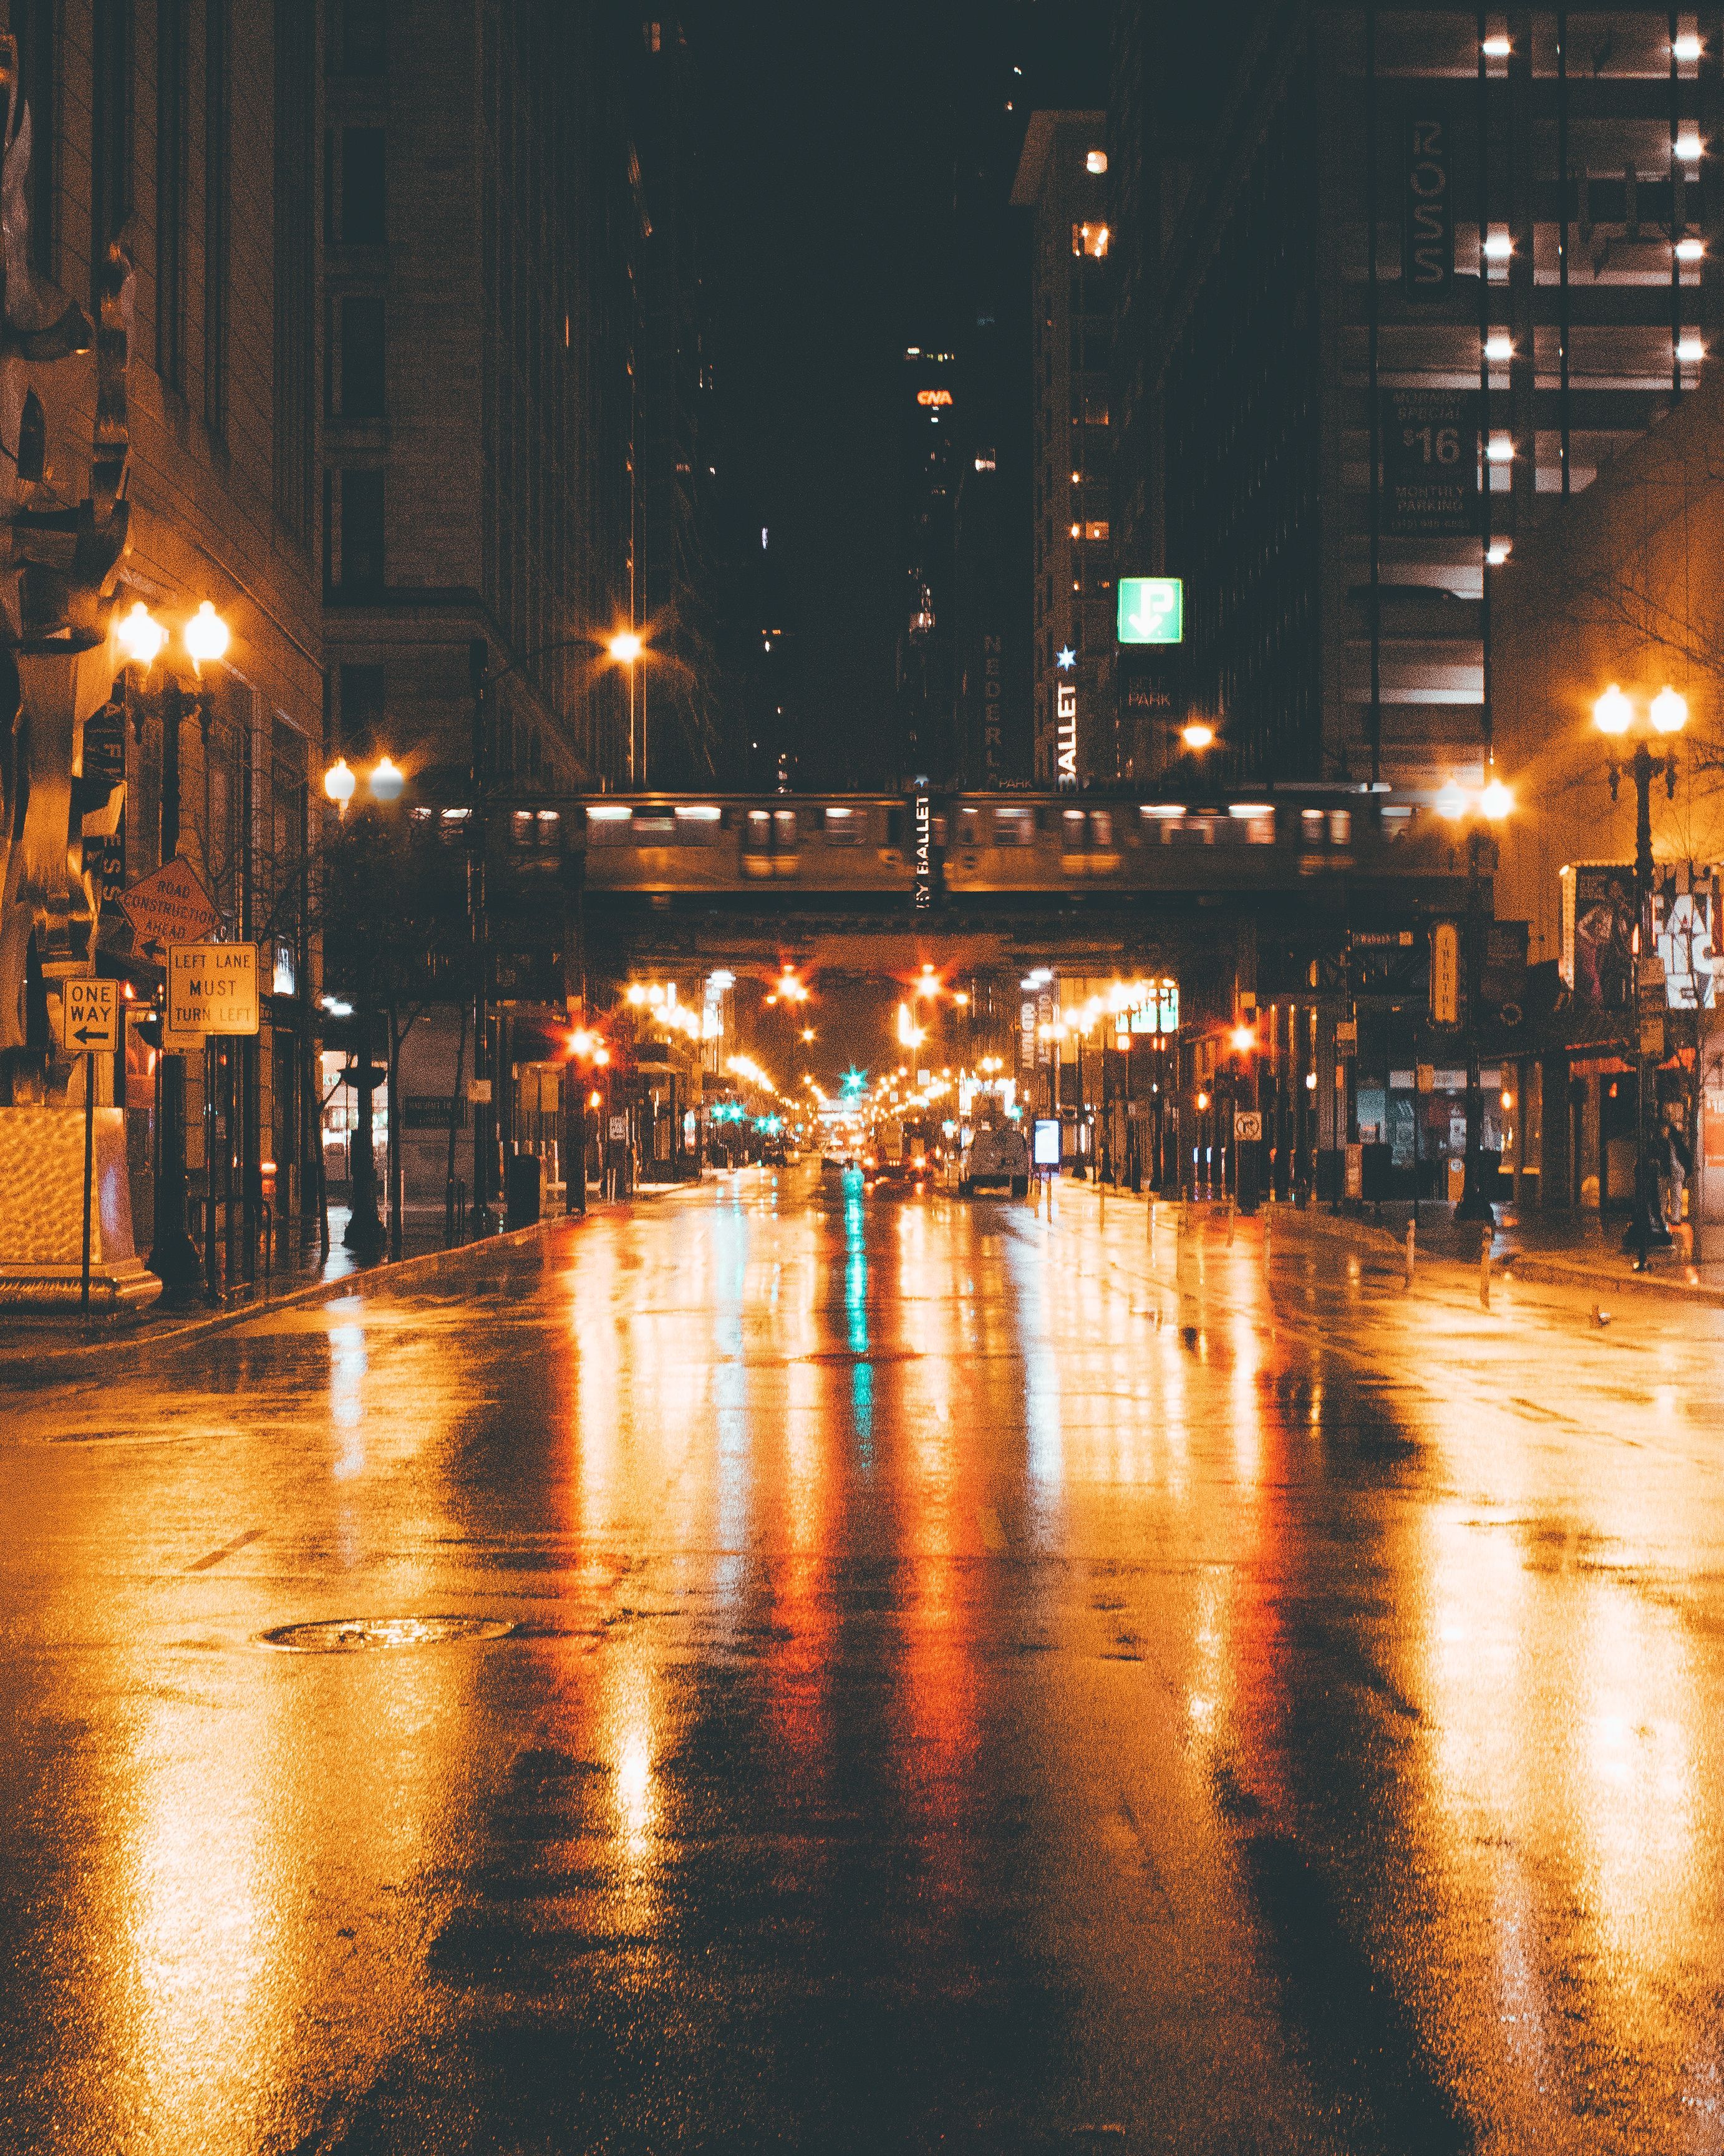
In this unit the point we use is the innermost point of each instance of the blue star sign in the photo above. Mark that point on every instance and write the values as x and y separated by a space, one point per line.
1067 658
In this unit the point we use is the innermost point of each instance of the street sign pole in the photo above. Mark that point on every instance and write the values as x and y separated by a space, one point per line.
88 1174
90 1026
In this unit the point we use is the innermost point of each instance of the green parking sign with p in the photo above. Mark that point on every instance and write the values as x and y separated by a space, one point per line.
1152 609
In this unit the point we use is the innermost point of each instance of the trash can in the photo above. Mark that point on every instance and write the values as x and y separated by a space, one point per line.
524 1193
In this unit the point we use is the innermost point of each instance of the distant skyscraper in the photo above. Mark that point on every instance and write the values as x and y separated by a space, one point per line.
1062 180
929 422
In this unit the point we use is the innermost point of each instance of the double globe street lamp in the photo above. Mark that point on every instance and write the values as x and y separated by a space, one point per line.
1614 716
174 1258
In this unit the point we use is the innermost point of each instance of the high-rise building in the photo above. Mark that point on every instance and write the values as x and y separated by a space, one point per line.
681 721
480 233
1062 182
1417 276
927 393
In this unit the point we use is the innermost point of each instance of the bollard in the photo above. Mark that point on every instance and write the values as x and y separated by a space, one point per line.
1412 1239
1229 1224
1101 1203
1485 1274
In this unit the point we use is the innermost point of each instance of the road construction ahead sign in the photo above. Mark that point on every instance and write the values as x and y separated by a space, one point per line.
1152 609
168 906
211 987
90 1017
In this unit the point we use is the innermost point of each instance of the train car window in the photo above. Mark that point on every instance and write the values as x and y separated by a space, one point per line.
1014 827
1259 830
784 829
758 837
652 828
609 827
1341 827
1310 827
969 826
844 828
1101 827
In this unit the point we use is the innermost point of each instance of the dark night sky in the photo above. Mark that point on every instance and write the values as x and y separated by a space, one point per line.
832 240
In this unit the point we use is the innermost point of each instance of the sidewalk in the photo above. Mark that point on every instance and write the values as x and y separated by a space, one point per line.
1583 1254
39 1349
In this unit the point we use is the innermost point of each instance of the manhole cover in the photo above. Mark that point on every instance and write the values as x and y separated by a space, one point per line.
351 1636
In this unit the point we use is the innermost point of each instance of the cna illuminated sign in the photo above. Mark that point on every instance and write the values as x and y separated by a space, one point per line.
1065 737
933 397
1152 609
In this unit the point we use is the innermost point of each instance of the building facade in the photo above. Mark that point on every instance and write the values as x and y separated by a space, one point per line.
1423 274
1061 179
171 191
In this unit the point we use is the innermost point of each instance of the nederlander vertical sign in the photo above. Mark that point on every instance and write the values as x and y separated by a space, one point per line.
1428 217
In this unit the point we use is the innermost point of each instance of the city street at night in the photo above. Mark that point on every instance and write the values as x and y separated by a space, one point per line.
782 1665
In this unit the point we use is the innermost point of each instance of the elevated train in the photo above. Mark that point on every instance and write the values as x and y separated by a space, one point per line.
1004 843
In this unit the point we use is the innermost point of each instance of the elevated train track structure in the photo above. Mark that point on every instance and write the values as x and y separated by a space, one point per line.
831 879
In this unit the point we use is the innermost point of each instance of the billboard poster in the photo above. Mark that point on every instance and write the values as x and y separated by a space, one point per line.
1597 960
1430 462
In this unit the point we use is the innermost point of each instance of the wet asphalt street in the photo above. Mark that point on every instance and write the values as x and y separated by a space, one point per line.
973 1683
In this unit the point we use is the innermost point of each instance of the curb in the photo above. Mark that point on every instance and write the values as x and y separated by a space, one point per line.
1535 1267
21 1372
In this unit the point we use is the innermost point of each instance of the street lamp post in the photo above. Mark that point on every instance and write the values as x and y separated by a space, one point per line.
1492 806
1613 715
626 648
365 1235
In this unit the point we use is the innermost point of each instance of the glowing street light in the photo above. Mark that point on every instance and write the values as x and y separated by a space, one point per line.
206 635
625 647
387 780
339 783
141 636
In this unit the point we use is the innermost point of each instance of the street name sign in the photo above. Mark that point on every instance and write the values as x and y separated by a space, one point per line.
168 906
90 1017
1248 1123
211 987
1152 609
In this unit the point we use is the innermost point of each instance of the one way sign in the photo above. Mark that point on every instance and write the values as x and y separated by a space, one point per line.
90 1017
168 906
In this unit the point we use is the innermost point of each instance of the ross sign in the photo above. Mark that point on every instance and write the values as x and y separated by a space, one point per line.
1430 462
90 1017
1446 974
1066 732
1152 610
1046 1153
619 1129
1428 211
1248 1123
212 988
168 906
